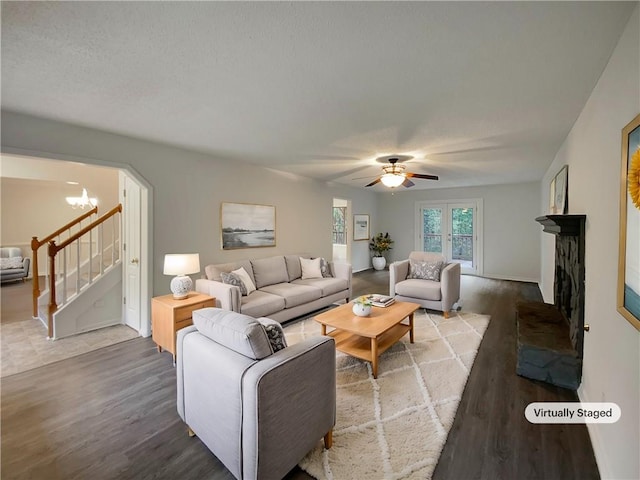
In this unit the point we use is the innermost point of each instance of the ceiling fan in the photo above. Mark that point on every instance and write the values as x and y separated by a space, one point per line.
394 175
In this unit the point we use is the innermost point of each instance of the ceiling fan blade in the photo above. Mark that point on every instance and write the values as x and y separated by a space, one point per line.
377 180
407 183
421 175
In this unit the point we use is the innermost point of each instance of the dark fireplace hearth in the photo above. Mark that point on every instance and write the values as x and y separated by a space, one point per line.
550 337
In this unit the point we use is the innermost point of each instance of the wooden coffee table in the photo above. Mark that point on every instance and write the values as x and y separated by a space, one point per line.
368 337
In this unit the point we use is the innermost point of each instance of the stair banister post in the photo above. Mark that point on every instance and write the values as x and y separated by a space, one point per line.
53 250
91 256
35 244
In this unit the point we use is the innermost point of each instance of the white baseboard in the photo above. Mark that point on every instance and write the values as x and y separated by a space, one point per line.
596 441
511 278
363 270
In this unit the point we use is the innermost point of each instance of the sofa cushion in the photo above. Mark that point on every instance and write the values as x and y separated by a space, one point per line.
269 271
235 280
213 271
261 304
11 262
416 288
425 270
238 332
6 252
293 266
274 332
293 293
328 286
310 268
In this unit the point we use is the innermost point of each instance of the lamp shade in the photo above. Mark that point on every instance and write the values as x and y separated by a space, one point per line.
392 179
181 263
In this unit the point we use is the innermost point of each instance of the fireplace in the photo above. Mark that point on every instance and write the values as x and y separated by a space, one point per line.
551 337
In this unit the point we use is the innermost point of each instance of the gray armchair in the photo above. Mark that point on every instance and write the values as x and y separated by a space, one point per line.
258 410
439 293
14 266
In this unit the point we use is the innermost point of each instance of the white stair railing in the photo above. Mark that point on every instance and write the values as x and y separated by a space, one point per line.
79 271
66 230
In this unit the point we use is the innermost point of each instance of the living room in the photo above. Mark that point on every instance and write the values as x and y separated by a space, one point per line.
187 186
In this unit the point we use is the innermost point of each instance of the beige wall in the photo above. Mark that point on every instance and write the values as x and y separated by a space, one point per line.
34 207
592 151
187 188
511 241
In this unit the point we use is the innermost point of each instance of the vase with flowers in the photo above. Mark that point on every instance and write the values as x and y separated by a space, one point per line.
380 244
362 306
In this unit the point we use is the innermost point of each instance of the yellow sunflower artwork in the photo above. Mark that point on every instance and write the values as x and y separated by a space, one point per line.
633 177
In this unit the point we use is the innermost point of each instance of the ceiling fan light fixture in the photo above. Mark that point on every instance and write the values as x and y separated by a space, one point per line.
392 180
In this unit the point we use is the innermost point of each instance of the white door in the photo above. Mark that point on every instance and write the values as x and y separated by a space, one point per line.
131 254
452 230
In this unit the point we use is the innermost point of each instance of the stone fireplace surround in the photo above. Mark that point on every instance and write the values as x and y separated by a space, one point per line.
551 337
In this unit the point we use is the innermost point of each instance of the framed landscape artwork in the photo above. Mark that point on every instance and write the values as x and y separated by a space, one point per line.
247 225
628 301
360 227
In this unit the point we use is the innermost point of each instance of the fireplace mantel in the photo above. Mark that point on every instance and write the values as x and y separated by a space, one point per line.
563 224
544 351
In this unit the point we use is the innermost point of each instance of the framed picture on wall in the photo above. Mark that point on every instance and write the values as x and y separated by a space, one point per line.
246 225
552 196
560 191
628 298
360 226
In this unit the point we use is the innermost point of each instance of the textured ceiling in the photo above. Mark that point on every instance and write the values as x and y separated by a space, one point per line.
478 93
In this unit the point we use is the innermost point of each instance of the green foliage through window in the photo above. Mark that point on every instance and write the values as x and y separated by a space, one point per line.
339 225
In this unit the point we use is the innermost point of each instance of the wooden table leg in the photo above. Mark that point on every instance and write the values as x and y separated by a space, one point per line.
374 357
411 328
328 439
324 329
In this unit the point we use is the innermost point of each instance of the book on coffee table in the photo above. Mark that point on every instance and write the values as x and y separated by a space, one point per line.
381 300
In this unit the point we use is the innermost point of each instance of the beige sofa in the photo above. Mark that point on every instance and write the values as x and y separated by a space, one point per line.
281 292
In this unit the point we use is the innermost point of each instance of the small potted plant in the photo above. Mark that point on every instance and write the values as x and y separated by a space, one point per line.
380 244
362 306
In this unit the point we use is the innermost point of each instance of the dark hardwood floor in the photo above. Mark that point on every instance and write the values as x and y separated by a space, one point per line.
111 414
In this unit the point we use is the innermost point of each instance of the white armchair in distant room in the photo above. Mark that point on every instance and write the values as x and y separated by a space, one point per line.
427 279
14 265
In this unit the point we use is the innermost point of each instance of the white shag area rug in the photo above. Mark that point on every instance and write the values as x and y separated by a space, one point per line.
395 426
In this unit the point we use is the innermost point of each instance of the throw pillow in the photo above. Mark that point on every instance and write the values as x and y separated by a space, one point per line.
274 332
425 270
235 280
310 268
11 262
246 279
325 269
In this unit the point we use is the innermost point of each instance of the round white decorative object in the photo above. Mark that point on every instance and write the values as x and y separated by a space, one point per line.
379 263
181 286
361 310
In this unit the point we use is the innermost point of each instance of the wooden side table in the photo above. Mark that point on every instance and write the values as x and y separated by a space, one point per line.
169 315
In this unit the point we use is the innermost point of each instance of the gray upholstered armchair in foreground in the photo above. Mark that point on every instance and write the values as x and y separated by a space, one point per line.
259 407
426 279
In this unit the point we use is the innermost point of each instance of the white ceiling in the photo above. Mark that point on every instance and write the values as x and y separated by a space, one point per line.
478 93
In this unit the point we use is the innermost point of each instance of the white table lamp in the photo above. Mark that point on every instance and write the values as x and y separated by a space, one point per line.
181 265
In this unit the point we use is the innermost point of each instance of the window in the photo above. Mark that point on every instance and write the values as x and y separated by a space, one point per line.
339 231
453 230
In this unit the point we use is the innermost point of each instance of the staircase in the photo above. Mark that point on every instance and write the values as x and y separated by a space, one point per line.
83 278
